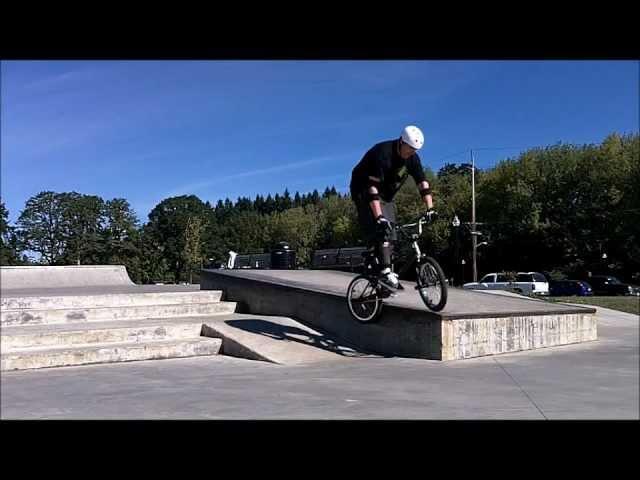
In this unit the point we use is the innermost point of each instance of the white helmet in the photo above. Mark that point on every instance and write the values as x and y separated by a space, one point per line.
412 136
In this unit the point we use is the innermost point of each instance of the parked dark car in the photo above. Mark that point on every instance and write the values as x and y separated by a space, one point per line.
567 288
609 285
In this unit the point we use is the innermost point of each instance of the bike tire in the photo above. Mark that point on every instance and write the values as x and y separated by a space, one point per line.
430 276
368 311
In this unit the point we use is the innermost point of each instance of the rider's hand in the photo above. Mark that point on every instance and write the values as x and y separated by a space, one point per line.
383 223
431 214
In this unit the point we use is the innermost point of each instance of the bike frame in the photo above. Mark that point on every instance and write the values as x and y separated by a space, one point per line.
419 256
414 243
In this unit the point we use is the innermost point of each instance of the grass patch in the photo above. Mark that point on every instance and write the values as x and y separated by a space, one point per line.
629 304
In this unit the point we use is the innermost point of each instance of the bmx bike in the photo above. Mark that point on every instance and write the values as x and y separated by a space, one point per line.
366 292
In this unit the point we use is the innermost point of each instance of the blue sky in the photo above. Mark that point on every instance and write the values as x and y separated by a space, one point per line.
148 130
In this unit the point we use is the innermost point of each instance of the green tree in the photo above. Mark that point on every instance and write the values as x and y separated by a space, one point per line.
192 254
167 225
41 227
121 237
258 204
248 233
153 265
278 203
9 254
300 227
562 206
83 228
269 205
286 200
340 226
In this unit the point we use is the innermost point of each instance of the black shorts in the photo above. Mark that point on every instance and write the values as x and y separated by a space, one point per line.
367 222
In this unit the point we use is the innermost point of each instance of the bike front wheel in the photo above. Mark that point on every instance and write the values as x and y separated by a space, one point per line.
364 299
432 284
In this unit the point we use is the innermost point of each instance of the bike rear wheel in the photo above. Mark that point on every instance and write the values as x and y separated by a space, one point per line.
432 284
364 299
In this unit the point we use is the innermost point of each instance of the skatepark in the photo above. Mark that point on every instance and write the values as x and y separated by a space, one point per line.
86 342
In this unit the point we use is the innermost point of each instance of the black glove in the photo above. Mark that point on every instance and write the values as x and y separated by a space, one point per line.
384 225
431 215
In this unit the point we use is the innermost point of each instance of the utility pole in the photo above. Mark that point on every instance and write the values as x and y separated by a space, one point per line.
474 233
456 228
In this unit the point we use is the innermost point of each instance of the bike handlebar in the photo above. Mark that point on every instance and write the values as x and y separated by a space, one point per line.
421 220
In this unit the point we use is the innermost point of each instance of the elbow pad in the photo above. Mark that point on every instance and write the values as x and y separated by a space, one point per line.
372 196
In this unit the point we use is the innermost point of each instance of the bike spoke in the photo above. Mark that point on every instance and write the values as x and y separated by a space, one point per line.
364 298
432 290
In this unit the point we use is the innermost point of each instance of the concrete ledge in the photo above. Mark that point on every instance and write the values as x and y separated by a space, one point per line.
407 329
63 276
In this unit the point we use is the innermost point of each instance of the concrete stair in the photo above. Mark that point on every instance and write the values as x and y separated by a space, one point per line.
65 330
56 335
108 352
110 300
39 316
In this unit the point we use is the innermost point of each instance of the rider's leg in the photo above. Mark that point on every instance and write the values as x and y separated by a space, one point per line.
385 247
366 222
384 251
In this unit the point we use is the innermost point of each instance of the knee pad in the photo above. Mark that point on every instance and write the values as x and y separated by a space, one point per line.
386 249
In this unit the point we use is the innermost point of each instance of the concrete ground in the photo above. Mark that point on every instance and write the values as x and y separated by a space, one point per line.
596 380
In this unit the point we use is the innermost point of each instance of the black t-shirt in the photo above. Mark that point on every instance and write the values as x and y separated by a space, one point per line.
383 161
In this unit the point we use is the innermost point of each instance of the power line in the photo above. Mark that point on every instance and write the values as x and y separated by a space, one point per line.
531 146
454 154
524 147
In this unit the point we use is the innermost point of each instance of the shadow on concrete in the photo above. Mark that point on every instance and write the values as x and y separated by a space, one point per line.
295 334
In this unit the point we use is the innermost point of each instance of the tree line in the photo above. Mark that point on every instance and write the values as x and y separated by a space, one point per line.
564 209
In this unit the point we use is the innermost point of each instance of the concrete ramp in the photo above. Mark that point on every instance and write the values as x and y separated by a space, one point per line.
37 277
472 324
275 339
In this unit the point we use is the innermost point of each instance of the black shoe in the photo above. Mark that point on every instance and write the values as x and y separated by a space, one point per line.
384 279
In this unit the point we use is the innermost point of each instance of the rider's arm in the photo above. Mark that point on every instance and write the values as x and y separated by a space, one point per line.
426 197
375 178
417 172
374 203
374 185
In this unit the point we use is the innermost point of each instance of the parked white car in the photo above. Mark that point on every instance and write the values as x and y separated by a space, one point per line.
526 283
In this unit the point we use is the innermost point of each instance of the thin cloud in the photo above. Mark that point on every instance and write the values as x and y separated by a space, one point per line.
59 79
316 180
190 188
